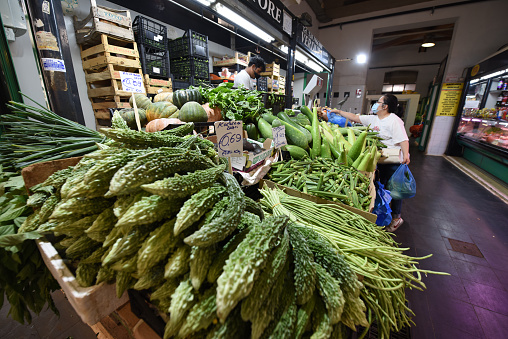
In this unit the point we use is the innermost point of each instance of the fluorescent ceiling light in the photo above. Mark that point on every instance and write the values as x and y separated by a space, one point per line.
303 59
428 44
205 2
474 81
361 58
314 66
242 22
495 74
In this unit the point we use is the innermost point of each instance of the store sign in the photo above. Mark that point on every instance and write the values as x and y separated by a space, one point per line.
132 82
449 99
273 11
229 138
311 44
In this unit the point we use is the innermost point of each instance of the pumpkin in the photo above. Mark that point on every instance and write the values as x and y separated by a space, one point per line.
182 96
142 101
162 109
128 115
159 124
213 114
192 112
164 96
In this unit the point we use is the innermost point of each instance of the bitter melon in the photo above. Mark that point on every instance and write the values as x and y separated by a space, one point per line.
198 204
155 165
201 314
321 324
141 138
181 302
127 264
48 207
118 122
156 247
124 202
81 248
86 273
162 295
199 262
76 228
153 278
233 328
31 223
95 257
304 271
124 281
36 200
221 227
112 237
245 263
254 207
128 244
184 185
180 131
267 278
178 263
304 316
147 211
76 176
284 323
102 226
105 274
331 293
58 178
80 206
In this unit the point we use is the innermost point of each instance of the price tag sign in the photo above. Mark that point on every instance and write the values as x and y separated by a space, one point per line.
279 136
229 138
132 82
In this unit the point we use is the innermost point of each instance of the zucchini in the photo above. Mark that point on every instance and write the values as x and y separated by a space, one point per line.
302 120
265 128
293 135
268 117
356 148
306 111
316 135
296 152
252 131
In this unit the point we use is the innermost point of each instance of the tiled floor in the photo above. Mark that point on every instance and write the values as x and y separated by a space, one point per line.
470 303
473 301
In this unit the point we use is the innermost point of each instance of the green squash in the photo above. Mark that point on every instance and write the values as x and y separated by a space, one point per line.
142 101
128 115
182 96
252 131
192 112
164 96
162 109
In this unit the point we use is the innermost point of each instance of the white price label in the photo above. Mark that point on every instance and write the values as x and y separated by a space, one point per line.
54 65
229 138
132 82
156 70
279 136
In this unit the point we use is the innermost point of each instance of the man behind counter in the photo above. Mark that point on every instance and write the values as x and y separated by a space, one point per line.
253 71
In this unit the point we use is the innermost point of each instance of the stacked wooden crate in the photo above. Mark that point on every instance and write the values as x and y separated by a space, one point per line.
282 85
272 72
102 64
156 86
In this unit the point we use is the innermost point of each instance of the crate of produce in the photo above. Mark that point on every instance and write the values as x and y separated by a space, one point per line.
191 44
185 82
123 55
150 34
155 86
226 61
103 20
90 303
190 66
155 64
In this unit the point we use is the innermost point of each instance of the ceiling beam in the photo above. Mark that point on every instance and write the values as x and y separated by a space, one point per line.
424 30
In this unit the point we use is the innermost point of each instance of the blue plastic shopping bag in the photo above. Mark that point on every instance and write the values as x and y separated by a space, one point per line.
337 119
402 184
382 205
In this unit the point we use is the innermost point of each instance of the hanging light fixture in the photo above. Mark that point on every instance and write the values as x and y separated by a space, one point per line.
428 42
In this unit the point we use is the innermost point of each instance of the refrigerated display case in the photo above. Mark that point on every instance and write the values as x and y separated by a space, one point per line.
482 125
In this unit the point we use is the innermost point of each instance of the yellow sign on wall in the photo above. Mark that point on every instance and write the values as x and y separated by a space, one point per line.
449 99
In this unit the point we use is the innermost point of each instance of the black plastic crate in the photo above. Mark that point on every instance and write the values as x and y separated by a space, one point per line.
190 66
191 44
180 81
155 64
149 33
262 84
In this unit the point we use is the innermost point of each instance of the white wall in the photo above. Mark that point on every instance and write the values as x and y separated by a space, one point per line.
426 74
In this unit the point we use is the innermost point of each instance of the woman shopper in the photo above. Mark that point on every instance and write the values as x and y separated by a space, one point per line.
386 121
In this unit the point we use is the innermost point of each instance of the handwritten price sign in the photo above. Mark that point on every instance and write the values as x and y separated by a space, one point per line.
132 82
279 136
229 138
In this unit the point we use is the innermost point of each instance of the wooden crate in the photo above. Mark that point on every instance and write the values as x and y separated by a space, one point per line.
273 83
103 20
238 59
101 106
271 70
156 86
111 51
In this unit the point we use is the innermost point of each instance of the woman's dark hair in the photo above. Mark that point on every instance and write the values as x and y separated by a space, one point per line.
257 61
393 105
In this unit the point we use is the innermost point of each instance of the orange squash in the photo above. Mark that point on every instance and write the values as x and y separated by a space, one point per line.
159 124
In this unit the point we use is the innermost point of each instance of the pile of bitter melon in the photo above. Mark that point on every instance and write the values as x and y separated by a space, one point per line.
167 219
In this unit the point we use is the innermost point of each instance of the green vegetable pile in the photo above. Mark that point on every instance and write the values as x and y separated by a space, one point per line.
325 178
169 220
24 279
366 248
235 103
35 134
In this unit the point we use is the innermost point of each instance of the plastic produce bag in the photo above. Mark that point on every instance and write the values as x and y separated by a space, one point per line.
382 205
337 119
402 184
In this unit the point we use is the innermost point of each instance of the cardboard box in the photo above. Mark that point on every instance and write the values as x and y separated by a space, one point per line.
250 160
91 303
372 192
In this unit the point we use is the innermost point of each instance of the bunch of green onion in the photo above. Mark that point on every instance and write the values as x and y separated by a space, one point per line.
35 134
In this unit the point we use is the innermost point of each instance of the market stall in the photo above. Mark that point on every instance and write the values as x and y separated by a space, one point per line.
482 126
